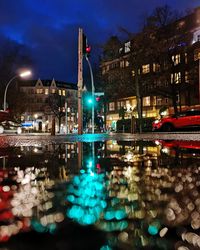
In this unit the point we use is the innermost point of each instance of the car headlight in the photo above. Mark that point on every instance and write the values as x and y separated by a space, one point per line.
156 121
19 130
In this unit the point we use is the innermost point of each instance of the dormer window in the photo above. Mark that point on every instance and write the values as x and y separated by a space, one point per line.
39 91
196 36
127 47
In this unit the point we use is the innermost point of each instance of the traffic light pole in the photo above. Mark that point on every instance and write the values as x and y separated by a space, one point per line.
93 90
80 80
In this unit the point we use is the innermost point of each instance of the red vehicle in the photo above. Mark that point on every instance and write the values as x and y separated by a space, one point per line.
4 115
184 120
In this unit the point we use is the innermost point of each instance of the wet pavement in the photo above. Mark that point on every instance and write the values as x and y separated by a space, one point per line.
99 193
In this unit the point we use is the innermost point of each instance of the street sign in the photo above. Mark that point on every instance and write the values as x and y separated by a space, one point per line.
99 93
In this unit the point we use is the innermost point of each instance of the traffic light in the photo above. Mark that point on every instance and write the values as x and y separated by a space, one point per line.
98 98
88 100
86 47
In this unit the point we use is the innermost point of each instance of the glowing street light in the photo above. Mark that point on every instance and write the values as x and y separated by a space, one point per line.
22 75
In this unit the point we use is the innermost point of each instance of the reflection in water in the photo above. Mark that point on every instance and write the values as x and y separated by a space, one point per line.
143 195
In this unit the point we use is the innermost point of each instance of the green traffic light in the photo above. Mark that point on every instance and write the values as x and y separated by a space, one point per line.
90 101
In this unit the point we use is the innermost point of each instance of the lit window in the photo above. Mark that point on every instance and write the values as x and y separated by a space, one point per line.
127 47
121 64
196 36
186 58
39 91
159 101
156 67
118 105
134 102
120 50
186 76
133 72
59 92
146 101
53 91
126 63
46 91
63 92
111 106
176 59
197 54
145 68
176 78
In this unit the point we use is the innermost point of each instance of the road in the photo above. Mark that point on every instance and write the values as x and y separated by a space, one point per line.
30 139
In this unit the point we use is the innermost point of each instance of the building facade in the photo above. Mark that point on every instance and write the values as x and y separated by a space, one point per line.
49 102
165 71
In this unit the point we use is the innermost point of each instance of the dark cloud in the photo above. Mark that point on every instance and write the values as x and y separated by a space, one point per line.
50 28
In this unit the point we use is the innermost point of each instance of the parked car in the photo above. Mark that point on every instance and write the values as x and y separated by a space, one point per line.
183 120
10 127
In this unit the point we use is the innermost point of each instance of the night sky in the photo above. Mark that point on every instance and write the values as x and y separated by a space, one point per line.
49 28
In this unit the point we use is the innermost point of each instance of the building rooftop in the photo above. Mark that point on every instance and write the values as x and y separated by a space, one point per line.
48 83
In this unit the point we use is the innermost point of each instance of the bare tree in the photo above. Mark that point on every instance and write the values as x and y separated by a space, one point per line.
56 103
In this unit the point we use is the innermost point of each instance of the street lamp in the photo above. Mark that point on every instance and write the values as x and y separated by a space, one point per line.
22 75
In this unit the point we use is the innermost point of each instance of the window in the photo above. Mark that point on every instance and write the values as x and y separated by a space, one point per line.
156 67
186 58
46 91
196 36
39 91
59 92
103 70
186 76
118 105
111 106
197 54
176 59
121 64
53 91
176 78
159 101
166 83
120 50
63 92
30 91
145 68
126 63
146 101
134 102
127 47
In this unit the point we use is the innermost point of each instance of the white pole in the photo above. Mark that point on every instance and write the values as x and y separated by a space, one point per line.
5 93
66 125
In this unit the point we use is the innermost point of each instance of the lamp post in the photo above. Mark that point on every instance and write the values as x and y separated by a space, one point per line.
22 75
